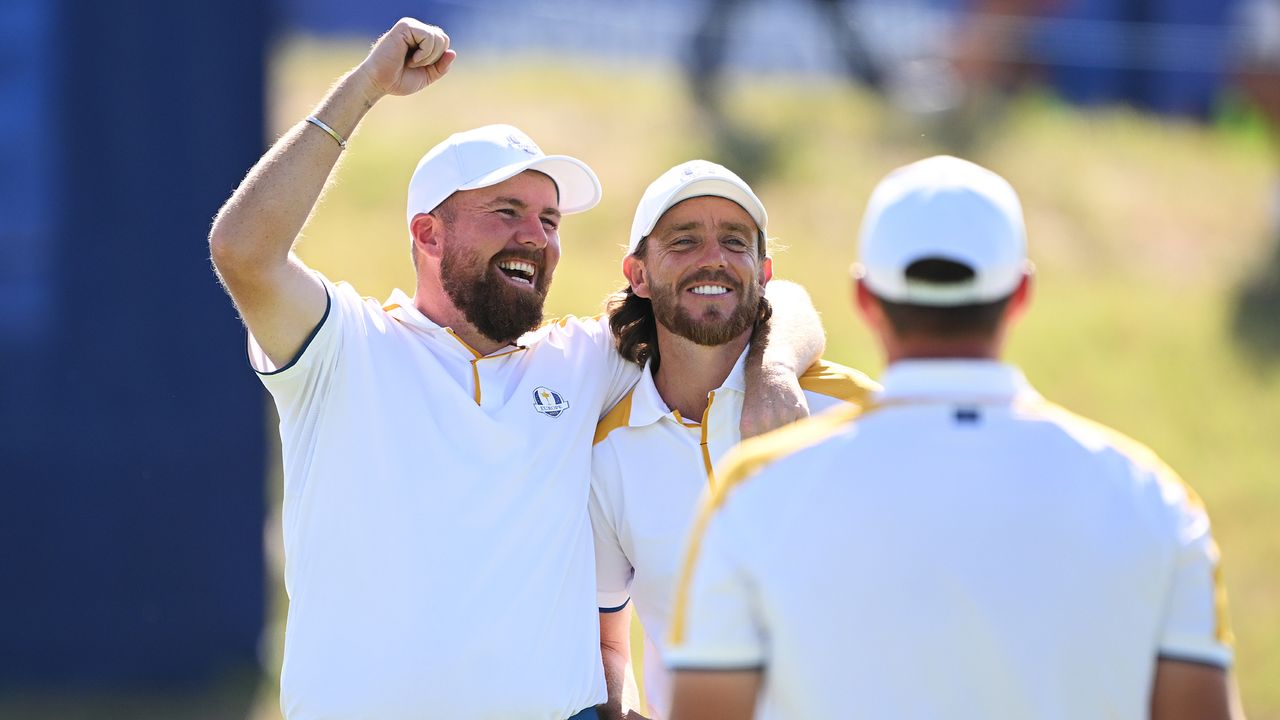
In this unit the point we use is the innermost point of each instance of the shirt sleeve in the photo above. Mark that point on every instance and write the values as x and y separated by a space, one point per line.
317 350
304 387
1195 625
614 571
721 628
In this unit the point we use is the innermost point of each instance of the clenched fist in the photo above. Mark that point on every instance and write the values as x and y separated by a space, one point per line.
410 56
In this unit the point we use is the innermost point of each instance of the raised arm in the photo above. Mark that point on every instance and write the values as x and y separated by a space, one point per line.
781 350
252 238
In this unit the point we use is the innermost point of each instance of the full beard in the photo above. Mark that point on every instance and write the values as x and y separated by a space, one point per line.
711 328
496 307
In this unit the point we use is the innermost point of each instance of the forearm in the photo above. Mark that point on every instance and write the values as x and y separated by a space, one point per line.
616 668
1190 691
255 230
715 694
615 653
793 338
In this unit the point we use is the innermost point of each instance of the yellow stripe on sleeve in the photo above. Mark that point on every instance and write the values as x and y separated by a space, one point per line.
739 464
1222 618
840 382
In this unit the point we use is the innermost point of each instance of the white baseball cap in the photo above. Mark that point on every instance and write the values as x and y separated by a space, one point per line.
696 178
943 208
488 155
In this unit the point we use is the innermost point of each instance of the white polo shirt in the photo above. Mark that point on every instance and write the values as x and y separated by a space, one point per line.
963 549
650 467
438 551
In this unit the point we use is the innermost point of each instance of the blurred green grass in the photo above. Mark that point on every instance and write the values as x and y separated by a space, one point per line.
1141 230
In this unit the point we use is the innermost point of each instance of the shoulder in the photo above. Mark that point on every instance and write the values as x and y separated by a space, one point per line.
838 382
346 302
756 454
586 341
1095 436
343 293
1111 446
567 327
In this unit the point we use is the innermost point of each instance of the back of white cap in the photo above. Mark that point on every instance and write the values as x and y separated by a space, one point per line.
943 208
488 155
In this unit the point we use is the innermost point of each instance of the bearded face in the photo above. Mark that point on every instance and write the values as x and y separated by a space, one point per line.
501 304
711 325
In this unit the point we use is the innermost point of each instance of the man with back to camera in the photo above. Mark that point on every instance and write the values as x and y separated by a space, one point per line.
696 270
961 548
436 457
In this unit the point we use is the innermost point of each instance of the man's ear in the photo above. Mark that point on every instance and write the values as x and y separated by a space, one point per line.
766 271
637 275
428 234
867 305
1021 299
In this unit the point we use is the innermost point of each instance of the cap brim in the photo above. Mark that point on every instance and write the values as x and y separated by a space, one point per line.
577 183
991 283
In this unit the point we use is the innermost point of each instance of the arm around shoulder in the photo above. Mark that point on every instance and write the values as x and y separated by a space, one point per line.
794 335
781 351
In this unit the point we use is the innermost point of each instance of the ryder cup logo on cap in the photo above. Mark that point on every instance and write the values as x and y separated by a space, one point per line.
488 155
943 208
696 178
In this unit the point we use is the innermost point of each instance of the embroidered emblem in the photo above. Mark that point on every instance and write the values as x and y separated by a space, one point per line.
549 402
524 144
695 169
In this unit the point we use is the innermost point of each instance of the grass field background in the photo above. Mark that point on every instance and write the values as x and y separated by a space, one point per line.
1142 232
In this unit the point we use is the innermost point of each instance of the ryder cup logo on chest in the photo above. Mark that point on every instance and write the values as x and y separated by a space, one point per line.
549 402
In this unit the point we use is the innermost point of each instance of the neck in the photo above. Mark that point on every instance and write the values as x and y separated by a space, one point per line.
916 346
950 350
437 307
689 371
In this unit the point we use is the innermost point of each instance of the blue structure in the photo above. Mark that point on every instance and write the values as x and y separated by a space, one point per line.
1171 57
132 444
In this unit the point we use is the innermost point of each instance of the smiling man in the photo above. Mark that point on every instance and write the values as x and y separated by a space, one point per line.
435 525
696 268
438 549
